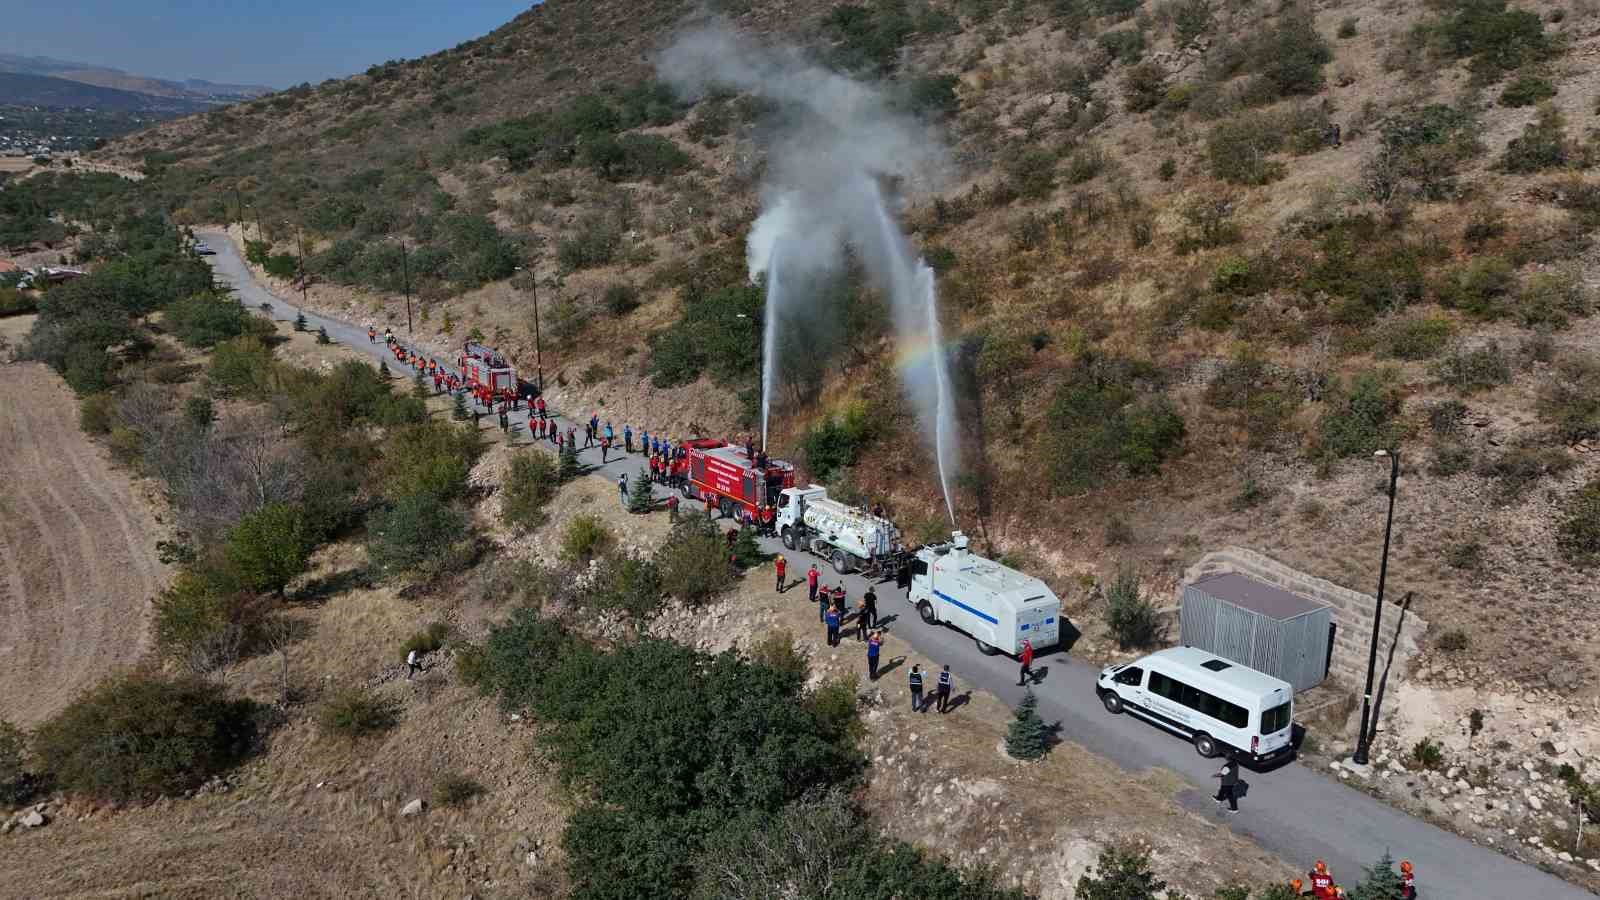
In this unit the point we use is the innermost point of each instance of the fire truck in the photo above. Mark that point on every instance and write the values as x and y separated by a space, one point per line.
738 483
489 375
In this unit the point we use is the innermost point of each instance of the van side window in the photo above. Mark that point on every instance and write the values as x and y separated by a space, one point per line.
1132 675
919 567
1275 719
1162 686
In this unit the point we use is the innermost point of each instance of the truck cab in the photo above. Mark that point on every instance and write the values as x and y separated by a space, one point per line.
997 605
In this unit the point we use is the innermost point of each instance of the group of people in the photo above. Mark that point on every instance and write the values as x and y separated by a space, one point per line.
1323 888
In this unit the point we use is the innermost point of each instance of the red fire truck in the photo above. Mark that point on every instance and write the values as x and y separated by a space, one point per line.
739 483
488 375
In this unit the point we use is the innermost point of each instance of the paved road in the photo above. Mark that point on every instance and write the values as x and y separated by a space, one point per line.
1296 813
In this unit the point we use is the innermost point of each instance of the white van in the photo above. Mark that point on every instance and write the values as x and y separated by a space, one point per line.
1216 703
995 604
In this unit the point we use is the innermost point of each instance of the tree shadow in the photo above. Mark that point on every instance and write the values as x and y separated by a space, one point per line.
318 590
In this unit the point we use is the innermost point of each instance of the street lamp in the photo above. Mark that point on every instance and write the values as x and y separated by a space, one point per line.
538 349
1362 740
405 273
300 241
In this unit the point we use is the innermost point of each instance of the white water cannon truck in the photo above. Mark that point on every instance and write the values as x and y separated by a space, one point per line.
849 537
995 604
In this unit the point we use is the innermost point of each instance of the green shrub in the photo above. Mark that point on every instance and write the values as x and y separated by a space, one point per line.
1477 369
1420 150
136 737
1426 754
1526 90
1451 458
530 485
693 561
1121 873
15 781
1347 27
204 320
1124 45
1552 299
1027 737
431 457
455 789
1358 419
934 95
1519 467
1289 57
1543 145
595 242
269 547
1144 87
719 333
1467 555
355 712
428 640
241 368
1570 401
97 413
1084 164
585 538
1578 532
15 303
516 657
836 442
621 299
1238 149
1096 429
418 533
626 583
1495 38
1132 619
1479 288
1210 223
1420 337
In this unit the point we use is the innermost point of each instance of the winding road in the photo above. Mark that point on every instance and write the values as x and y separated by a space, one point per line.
1296 813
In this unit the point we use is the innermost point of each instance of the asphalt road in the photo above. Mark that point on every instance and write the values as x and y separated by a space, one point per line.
1296 813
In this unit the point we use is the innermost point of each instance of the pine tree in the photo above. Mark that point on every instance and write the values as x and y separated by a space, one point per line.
322 336
1379 881
747 553
1025 738
570 468
459 410
383 370
640 499
419 387
300 322
1121 873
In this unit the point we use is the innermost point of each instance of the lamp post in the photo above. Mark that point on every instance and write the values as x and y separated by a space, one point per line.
405 274
238 205
300 241
538 348
1362 741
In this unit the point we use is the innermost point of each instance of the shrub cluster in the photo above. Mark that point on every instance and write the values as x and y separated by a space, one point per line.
1098 428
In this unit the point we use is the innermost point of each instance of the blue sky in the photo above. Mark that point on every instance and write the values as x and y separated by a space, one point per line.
272 42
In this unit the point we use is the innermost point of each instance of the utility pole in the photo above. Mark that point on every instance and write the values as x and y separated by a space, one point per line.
238 206
1363 742
405 273
300 240
538 348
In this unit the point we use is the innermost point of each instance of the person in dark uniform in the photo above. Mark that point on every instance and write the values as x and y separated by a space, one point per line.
1229 786
916 688
870 598
943 689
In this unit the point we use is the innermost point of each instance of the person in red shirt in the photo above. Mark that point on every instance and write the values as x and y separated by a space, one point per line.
1408 881
1026 656
1321 881
782 565
811 585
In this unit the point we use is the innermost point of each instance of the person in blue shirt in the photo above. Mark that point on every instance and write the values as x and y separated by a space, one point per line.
832 620
627 438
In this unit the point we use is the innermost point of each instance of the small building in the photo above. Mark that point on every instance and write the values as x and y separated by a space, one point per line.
1262 626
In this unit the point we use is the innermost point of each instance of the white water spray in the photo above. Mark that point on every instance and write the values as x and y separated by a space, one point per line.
769 342
944 416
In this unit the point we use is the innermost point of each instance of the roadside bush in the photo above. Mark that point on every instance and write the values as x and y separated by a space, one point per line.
204 320
1132 619
1578 533
1121 873
1415 338
1472 370
418 533
356 712
431 457
1526 90
97 413
15 303
834 444
269 547
1027 737
136 737
428 640
585 538
693 561
1426 754
530 484
1358 419
241 368
1543 145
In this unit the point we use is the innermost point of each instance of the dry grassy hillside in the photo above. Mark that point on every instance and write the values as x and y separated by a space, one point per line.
1184 309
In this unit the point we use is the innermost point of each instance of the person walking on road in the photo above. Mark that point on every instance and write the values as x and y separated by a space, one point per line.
1321 881
1228 789
780 565
942 691
831 618
604 446
412 665
1026 675
811 583
870 598
622 487
874 647
672 508
372 335
1408 881
916 688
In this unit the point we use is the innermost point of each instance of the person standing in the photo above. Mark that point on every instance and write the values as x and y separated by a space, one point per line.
916 688
627 438
605 445
1227 790
412 664
874 647
610 434
1408 881
1026 656
372 335
943 688
1321 881
711 508
672 508
622 487
781 565
871 600
861 621
831 619
811 585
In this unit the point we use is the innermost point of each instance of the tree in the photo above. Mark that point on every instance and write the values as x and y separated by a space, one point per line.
694 561
1132 618
1027 736
530 484
641 499
418 533
570 467
269 547
14 787
458 409
1379 881
1121 873
383 370
322 336
135 737
300 323
747 554
200 411
431 457
419 385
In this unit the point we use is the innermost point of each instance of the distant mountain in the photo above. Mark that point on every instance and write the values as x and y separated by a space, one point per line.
41 90
193 89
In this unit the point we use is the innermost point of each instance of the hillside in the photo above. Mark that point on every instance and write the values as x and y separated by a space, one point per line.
42 90
196 89
1196 263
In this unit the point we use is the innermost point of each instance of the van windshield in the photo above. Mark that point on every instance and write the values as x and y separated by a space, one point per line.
1275 719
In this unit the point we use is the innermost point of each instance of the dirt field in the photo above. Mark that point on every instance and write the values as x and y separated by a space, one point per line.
77 552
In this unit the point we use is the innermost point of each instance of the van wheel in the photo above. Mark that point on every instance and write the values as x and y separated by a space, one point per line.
788 538
986 649
1112 702
925 610
841 562
1205 745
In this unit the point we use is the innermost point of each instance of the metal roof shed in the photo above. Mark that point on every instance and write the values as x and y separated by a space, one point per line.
1265 627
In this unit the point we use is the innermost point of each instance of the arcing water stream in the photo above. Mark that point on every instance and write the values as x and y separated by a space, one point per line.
769 343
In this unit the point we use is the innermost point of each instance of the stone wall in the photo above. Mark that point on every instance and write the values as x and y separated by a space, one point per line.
1352 613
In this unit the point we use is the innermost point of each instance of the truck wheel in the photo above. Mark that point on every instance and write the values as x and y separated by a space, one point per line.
841 562
1112 702
788 538
986 649
725 506
1205 745
925 610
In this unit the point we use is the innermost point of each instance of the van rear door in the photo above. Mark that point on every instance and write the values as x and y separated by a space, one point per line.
1277 719
1038 622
